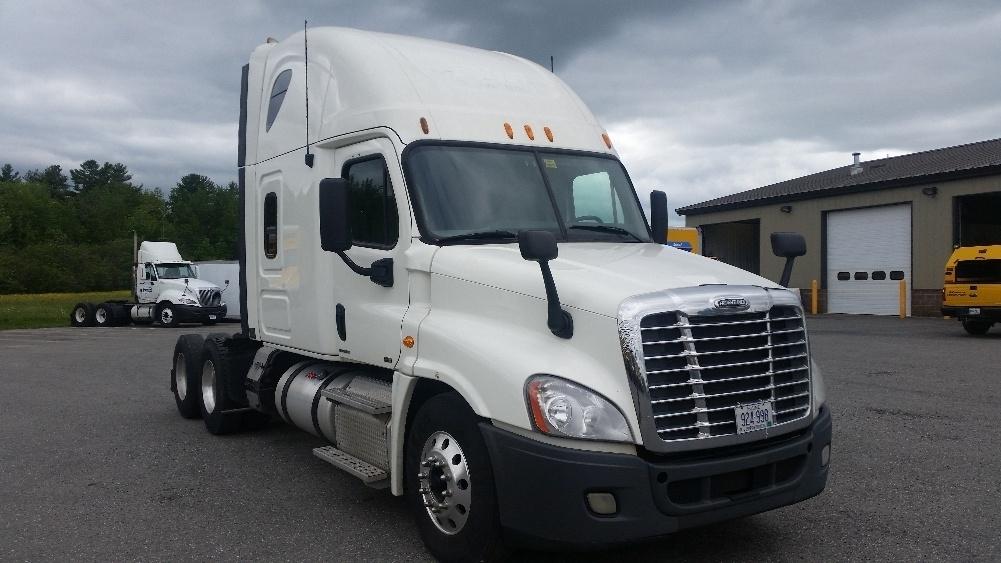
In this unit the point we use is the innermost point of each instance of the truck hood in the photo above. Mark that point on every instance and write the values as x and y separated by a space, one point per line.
589 276
194 284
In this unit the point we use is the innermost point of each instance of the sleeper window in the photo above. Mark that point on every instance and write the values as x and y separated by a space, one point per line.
271 225
374 219
278 96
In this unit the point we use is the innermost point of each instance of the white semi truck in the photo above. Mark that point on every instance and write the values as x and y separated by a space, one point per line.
448 279
166 290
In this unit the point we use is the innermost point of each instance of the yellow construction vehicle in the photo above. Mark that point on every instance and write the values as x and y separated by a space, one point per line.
972 288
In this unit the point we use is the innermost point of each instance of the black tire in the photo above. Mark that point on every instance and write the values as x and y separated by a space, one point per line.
82 314
224 367
106 314
185 375
166 315
478 537
975 327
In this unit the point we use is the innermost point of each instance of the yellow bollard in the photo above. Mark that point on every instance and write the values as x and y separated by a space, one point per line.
814 298
903 299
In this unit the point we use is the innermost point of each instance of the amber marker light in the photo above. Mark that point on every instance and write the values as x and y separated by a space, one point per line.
529 132
424 126
408 341
607 139
509 130
549 133
538 417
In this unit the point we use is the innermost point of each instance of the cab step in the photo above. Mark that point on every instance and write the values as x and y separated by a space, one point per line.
364 403
368 473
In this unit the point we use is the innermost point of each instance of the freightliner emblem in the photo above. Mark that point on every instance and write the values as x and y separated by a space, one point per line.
732 303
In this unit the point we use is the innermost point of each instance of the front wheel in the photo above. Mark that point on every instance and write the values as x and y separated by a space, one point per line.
166 315
448 483
976 328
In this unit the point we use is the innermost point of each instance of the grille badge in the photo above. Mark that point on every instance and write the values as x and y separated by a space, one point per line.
731 303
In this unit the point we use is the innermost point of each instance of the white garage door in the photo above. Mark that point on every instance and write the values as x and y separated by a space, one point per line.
868 253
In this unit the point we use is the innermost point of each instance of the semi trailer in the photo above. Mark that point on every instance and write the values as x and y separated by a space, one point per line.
166 290
447 278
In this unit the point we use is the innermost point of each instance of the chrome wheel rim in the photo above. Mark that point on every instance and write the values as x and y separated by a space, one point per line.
166 316
180 377
208 386
80 315
445 487
101 316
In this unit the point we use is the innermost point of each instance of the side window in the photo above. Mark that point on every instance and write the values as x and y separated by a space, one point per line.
861 275
278 96
595 200
150 272
879 275
271 225
374 218
844 276
896 275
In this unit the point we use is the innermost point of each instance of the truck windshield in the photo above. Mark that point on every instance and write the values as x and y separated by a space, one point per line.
484 194
174 271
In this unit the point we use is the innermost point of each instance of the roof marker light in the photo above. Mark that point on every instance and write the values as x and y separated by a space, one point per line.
529 132
509 130
549 133
424 126
607 139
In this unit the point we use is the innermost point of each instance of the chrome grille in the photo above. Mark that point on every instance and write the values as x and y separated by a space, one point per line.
698 368
209 297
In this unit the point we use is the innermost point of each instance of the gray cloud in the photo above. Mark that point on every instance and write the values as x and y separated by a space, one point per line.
701 98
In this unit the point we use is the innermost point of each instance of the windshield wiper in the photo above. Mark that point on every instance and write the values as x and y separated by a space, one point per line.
477 235
607 229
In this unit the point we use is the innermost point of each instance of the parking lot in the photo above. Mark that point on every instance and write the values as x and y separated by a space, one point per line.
95 463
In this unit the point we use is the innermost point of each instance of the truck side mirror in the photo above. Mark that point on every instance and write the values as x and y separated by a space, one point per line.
788 246
540 246
335 207
658 216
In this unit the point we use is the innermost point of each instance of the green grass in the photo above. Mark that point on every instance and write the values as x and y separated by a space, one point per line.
47 309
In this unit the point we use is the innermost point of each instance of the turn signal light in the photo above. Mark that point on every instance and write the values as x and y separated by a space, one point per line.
509 130
408 341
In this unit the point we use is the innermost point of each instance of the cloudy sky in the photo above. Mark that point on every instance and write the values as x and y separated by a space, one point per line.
701 98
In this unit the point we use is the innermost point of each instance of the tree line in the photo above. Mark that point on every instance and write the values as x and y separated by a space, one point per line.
67 233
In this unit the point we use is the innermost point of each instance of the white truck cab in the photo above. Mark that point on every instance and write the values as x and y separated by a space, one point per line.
449 280
167 290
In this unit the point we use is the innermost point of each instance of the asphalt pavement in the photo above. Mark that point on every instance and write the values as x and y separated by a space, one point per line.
96 464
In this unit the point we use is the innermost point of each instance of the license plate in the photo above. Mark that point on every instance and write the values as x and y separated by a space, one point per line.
211 317
974 310
754 416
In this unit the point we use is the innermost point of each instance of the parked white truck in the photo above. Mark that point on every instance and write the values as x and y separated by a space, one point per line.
166 290
448 279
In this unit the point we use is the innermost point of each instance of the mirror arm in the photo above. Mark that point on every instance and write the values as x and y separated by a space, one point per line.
380 272
787 272
559 321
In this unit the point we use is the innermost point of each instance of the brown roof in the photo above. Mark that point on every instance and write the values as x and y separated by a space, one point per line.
973 159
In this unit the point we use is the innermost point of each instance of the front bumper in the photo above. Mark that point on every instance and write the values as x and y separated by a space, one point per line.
990 314
196 314
541 488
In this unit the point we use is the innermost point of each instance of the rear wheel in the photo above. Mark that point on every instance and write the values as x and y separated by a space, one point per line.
82 315
184 375
223 369
448 482
105 315
976 328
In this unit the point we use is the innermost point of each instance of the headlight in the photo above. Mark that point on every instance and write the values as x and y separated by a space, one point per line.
819 392
560 408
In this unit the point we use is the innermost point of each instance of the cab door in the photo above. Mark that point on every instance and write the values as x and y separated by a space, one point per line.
369 316
145 278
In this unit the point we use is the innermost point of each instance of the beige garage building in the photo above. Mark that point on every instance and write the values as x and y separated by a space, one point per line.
868 225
